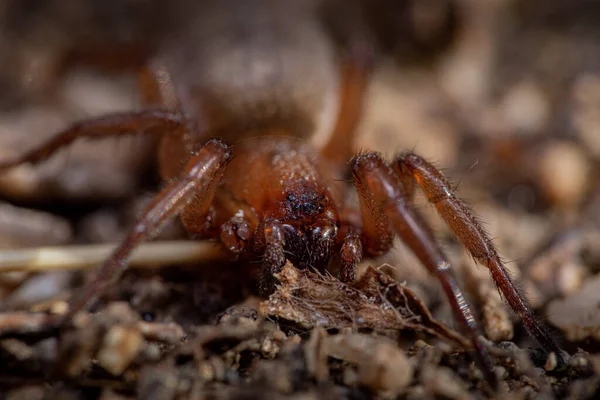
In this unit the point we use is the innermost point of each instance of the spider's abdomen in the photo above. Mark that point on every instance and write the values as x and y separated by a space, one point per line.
245 66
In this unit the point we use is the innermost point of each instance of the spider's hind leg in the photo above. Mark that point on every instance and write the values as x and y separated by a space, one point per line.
356 71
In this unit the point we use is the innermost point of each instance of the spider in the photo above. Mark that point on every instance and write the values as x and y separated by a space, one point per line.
266 86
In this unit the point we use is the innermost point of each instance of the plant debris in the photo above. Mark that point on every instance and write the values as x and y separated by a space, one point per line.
374 301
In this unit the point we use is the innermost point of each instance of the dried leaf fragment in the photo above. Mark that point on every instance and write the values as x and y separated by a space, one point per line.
374 301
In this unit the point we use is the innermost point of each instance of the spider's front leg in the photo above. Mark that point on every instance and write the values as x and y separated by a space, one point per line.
198 183
465 227
384 204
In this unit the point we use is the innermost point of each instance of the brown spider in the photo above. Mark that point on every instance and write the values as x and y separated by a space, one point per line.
268 196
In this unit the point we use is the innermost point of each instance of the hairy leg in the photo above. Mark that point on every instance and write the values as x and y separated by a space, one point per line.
198 181
129 123
382 196
356 71
467 229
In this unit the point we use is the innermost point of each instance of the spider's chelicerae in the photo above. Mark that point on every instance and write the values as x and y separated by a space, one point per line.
262 189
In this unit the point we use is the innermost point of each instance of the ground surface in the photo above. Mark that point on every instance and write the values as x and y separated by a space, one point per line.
511 110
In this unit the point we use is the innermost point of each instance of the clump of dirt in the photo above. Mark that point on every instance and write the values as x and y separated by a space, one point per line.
295 342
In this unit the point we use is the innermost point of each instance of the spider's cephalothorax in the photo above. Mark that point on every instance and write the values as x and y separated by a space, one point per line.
290 204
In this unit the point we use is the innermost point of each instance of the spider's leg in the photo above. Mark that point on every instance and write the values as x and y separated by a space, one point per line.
356 71
120 124
198 181
382 198
467 229
269 241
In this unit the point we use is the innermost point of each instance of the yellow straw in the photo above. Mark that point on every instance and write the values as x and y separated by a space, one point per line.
150 254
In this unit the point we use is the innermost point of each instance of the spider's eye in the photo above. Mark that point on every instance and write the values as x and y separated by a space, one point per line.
291 198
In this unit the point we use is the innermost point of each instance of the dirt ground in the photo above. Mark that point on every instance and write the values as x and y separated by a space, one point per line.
505 100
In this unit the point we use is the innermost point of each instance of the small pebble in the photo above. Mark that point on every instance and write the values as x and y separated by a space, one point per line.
551 362
120 347
563 170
